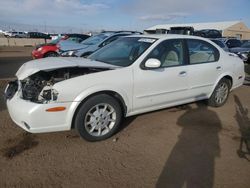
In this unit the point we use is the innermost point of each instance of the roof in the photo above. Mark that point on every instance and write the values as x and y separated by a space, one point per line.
168 36
198 26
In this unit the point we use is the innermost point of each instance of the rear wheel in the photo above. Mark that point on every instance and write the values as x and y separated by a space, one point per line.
51 54
220 93
98 118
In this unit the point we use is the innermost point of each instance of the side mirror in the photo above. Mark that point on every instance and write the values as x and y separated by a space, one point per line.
152 63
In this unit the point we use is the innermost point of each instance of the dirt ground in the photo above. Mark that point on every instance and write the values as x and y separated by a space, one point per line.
191 146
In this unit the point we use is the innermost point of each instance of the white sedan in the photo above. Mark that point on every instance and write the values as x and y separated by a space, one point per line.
130 76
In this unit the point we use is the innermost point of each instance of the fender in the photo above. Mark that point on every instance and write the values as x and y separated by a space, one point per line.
219 78
92 90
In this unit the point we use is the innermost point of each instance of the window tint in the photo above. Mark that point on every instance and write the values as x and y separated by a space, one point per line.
201 52
169 53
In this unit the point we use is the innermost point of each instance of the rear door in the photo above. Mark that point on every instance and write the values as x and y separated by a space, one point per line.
204 67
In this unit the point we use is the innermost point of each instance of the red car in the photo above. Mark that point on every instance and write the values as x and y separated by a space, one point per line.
51 49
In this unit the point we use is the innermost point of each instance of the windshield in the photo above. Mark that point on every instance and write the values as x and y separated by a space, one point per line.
56 40
123 52
246 45
95 39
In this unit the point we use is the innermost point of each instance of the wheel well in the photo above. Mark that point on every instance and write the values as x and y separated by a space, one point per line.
230 79
113 94
50 52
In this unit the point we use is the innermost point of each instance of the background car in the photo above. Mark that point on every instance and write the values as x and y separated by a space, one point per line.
181 30
51 49
85 48
243 51
208 33
132 75
221 44
232 43
15 34
243 41
38 35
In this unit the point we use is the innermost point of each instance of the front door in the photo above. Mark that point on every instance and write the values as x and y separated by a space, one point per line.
164 86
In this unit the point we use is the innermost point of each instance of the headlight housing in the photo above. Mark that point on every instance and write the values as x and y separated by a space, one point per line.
70 53
48 94
39 49
38 90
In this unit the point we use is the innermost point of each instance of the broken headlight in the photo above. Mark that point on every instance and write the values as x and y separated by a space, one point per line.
48 94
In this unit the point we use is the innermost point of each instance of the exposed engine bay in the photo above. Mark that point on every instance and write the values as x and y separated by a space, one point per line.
38 87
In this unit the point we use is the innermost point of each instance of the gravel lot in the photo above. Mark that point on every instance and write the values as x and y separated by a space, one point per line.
191 146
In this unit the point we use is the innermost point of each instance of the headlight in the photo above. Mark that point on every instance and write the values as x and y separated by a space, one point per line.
39 49
48 94
68 53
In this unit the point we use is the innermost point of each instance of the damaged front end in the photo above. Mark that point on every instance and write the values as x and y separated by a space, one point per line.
38 87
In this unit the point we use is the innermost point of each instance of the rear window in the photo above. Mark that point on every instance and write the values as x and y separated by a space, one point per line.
201 52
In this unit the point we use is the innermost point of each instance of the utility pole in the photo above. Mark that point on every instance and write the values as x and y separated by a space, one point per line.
45 27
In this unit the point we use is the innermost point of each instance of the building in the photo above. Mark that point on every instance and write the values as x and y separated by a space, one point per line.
228 29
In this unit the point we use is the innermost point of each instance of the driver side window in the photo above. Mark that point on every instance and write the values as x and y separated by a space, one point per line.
169 53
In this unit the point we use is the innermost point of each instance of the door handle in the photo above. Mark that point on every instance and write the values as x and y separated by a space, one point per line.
183 73
219 68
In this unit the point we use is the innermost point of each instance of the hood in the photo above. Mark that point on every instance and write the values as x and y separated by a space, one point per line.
67 45
52 63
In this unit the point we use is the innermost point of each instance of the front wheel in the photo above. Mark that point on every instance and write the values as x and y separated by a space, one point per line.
220 93
98 118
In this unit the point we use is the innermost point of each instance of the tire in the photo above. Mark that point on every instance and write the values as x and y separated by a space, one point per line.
98 118
51 54
220 94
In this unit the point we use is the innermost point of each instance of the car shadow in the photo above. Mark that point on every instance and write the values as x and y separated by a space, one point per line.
126 122
243 121
191 161
2 101
247 81
247 69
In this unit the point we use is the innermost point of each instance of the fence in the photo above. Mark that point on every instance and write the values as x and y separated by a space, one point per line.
21 41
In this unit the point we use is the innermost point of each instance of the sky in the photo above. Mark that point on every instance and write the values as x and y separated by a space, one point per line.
95 15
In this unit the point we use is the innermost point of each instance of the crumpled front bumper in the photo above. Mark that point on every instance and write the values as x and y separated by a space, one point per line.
34 118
